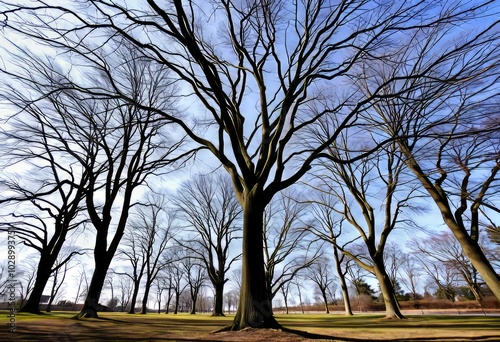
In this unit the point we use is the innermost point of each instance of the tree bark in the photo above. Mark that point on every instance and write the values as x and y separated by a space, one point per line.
219 299
343 283
102 261
144 307
325 300
133 300
177 297
255 307
32 305
391 304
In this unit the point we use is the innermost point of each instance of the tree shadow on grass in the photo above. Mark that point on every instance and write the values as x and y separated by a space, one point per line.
312 336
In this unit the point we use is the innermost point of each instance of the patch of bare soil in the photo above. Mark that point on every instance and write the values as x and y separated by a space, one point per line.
260 335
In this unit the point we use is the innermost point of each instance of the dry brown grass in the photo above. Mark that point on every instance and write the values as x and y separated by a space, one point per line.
153 327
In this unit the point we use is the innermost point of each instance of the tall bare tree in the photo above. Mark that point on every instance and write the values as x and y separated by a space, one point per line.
159 229
116 145
327 228
410 274
355 189
257 81
42 186
195 275
443 248
445 124
287 251
208 204
321 275
145 244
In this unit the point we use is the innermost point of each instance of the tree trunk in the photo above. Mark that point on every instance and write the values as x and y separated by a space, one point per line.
345 295
144 307
177 297
42 277
49 304
219 299
325 300
169 298
391 304
470 247
133 300
285 299
90 307
255 307
193 307
343 283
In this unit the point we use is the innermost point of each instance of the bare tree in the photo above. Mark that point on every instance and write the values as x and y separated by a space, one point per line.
157 228
208 204
177 278
112 143
256 86
444 249
320 274
132 253
46 199
353 187
287 250
445 124
62 265
285 292
326 228
410 273
82 279
25 278
126 290
195 276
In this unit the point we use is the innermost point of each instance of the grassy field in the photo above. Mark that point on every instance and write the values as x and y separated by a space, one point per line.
59 326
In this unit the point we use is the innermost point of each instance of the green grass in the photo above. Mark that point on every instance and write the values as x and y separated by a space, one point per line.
60 326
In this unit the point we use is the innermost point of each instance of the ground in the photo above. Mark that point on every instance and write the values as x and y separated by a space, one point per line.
258 335
110 327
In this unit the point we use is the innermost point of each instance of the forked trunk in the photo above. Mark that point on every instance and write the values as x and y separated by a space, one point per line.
255 308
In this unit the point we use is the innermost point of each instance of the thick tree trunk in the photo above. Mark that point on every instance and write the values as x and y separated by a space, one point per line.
475 254
391 304
176 308
345 295
193 307
144 307
42 277
133 301
255 307
219 299
91 304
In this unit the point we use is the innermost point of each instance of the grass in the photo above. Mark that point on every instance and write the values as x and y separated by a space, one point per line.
60 326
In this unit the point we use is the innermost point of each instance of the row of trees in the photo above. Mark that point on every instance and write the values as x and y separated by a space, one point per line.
370 100
158 255
432 269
